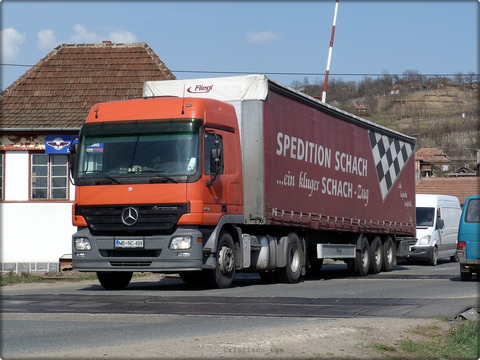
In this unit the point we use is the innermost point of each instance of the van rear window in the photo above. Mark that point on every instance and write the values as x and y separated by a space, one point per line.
472 213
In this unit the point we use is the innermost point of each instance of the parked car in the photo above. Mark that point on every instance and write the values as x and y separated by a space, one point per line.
468 252
437 218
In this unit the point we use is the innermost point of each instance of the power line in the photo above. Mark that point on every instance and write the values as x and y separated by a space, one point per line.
271 72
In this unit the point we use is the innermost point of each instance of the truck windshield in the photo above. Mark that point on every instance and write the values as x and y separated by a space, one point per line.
425 216
135 152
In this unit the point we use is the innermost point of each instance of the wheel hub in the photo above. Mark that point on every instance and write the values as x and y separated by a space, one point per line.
226 260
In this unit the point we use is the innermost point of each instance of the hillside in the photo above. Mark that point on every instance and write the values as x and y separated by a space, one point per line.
444 117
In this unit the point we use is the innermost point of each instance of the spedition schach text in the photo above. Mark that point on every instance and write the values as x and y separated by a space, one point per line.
307 151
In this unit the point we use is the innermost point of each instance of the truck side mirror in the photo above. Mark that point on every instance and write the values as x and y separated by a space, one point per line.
215 155
215 164
72 149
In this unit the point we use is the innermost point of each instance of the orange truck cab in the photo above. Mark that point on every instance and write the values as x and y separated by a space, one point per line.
149 186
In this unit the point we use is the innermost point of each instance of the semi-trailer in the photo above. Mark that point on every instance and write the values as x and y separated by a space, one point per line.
210 177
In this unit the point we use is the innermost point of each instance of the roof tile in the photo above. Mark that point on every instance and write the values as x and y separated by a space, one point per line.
61 88
460 187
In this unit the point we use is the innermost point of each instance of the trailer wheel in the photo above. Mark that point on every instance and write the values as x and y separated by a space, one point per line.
389 254
376 255
291 273
114 280
361 264
222 276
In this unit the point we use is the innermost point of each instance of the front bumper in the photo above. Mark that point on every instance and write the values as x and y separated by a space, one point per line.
420 253
154 256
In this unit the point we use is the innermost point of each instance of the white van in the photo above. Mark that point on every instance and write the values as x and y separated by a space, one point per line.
437 218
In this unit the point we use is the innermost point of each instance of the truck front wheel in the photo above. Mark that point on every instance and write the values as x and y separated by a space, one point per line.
222 276
114 280
291 273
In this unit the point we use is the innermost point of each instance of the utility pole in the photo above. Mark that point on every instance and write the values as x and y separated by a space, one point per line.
325 82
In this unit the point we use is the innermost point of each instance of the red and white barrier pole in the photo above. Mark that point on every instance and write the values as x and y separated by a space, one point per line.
325 82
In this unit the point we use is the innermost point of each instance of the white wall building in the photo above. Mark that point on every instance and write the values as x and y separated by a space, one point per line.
40 114
36 227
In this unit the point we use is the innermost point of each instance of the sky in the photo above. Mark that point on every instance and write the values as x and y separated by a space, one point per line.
289 41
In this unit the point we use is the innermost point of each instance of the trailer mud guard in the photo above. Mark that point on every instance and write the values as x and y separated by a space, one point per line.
402 247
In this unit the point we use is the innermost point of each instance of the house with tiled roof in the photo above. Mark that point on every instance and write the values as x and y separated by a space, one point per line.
40 115
461 187
429 161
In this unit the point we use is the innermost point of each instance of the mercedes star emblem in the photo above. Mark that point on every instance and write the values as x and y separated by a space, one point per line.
130 216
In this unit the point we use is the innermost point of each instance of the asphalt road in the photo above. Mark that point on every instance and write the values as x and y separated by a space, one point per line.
41 320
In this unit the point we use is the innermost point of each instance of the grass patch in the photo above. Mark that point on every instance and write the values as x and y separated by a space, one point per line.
432 342
12 278
385 348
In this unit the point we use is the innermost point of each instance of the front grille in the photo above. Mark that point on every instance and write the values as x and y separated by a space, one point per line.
130 263
152 219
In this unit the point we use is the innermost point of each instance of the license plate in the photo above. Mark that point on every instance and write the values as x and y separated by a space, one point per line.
128 244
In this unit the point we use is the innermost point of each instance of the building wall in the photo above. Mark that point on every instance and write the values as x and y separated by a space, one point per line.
34 233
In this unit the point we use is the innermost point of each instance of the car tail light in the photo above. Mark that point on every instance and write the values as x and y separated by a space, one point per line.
461 245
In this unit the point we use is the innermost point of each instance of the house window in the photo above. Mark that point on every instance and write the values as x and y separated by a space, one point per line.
49 176
2 159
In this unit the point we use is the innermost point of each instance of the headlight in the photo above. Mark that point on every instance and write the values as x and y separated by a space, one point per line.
181 243
82 244
424 240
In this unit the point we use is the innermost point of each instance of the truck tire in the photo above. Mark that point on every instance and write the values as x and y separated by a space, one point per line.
222 276
389 254
114 280
361 264
291 273
376 255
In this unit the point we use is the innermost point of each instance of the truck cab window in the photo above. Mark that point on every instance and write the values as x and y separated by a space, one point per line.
212 141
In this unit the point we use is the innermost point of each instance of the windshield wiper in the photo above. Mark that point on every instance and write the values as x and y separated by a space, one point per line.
104 174
160 178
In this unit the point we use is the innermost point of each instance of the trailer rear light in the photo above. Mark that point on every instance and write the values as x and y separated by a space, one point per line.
180 243
82 244
461 245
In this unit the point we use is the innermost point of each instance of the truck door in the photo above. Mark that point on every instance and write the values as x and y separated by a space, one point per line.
213 168
223 192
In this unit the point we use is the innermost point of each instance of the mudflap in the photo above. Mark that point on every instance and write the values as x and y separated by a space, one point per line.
403 246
